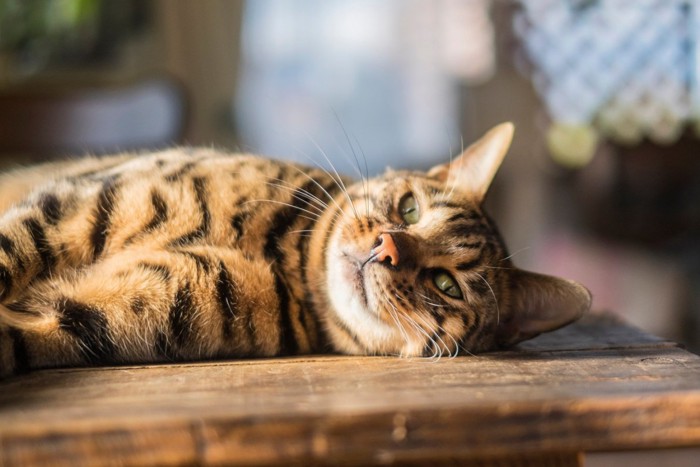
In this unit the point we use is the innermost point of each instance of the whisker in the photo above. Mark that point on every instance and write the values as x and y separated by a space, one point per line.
427 300
418 315
365 177
364 180
301 234
315 182
371 258
452 181
318 210
299 197
440 328
451 355
315 216
317 165
422 319
364 157
415 326
438 351
338 179
393 313
517 252
291 186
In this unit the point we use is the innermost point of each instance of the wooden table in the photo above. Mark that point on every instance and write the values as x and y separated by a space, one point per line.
597 385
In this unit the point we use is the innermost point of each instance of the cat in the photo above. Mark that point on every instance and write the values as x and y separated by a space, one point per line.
189 254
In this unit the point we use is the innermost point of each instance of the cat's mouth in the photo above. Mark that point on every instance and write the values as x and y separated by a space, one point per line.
355 274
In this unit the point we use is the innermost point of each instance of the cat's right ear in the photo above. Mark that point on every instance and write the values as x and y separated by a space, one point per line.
541 303
473 171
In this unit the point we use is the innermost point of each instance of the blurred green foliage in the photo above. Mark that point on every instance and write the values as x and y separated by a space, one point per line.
25 21
37 35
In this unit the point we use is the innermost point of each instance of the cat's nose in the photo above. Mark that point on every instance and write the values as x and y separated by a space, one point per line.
385 248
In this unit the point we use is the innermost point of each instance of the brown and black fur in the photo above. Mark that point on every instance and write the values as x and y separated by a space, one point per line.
191 254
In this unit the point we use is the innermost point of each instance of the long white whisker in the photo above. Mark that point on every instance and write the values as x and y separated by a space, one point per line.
438 351
364 178
356 165
452 181
302 233
366 187
440 328
318 209
453 340
338 179
313 180
292 186
427 324
427 300
304 196
317 165
409 321
394 312
315 216
517 252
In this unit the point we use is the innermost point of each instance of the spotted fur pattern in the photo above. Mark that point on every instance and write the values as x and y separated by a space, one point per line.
192 254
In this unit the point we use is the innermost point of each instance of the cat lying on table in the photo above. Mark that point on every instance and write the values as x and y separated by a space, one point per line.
190 254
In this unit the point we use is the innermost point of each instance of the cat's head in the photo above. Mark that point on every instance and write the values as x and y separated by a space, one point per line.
416 268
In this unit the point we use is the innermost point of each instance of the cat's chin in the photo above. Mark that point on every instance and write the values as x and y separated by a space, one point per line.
354 274
357 306
352 299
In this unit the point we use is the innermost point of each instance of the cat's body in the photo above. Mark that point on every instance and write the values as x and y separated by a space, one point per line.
194 254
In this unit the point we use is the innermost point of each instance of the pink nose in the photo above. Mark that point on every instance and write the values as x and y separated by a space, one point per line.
386 248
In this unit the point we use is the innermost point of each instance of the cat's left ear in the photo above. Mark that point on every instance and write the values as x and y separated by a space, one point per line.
474 169
541 303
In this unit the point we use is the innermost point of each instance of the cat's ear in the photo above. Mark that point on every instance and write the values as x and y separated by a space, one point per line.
541 303
474 169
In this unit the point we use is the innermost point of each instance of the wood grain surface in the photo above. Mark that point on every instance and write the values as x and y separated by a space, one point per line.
596 385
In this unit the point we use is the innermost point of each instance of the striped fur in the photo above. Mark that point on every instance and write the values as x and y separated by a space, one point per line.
193 254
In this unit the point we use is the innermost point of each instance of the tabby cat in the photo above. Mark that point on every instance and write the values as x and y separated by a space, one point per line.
190 254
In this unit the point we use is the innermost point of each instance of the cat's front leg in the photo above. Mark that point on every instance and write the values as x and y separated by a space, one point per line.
49 232
40 237
29 242
147 305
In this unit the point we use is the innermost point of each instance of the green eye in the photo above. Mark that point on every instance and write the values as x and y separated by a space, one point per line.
447 284
409 210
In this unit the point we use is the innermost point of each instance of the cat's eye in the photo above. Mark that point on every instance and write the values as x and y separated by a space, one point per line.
409 210
447 284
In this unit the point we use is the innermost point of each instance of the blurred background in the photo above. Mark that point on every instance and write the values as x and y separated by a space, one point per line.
603 179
